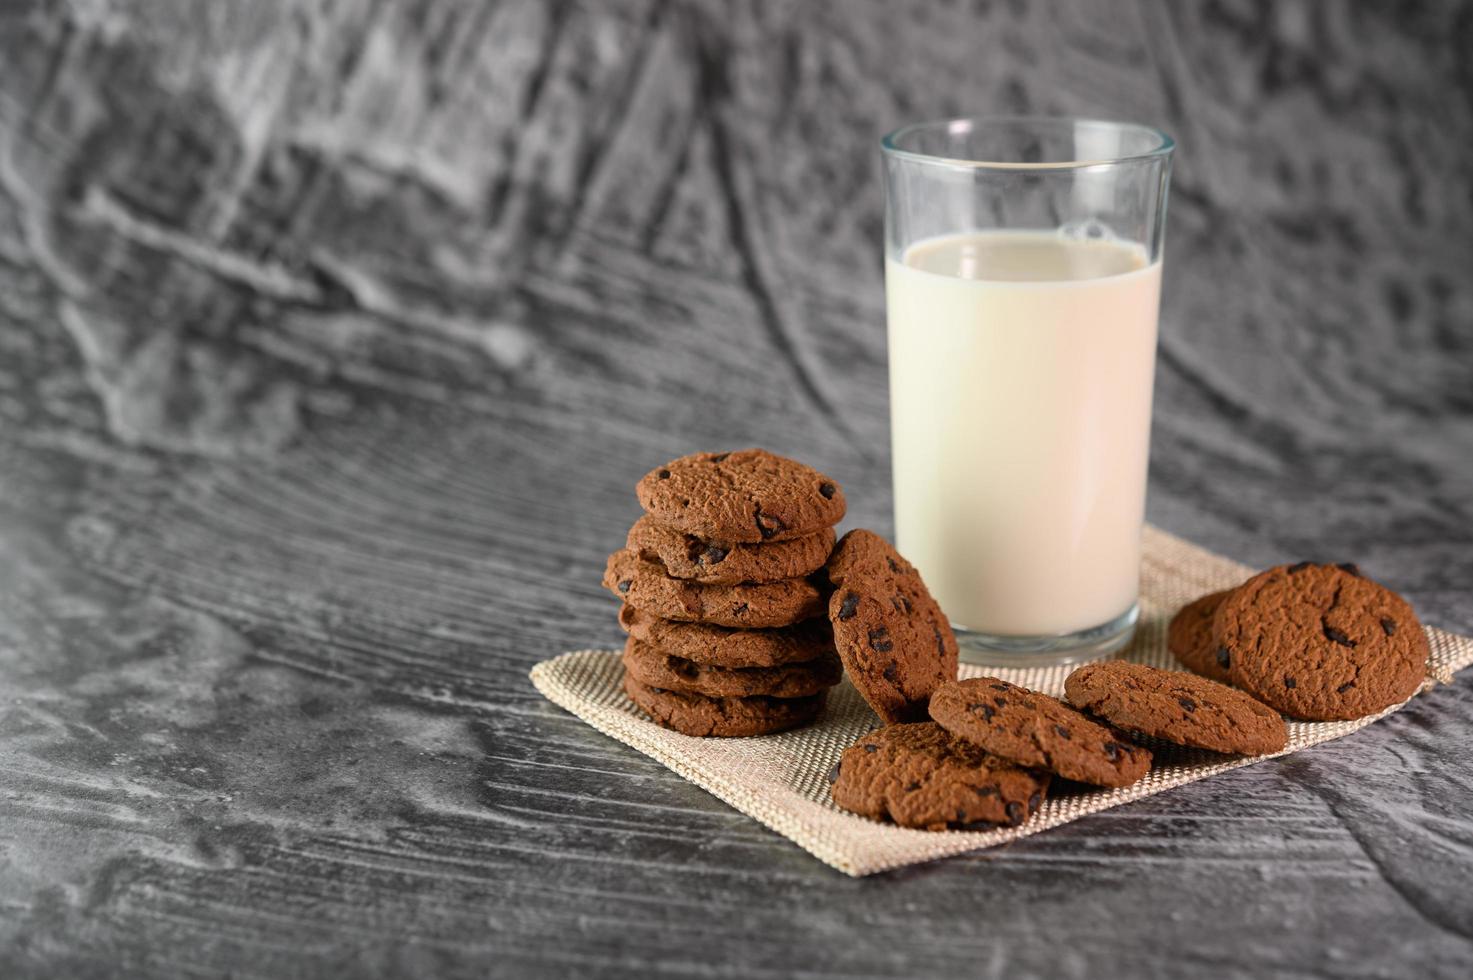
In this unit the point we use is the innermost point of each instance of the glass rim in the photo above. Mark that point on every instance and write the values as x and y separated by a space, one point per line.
890 143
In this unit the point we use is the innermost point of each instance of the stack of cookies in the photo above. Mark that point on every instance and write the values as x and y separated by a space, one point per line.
722 603
1320 642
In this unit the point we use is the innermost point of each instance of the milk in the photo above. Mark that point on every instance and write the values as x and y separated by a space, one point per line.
1020 386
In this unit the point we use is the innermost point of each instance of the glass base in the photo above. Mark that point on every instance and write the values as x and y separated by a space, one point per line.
1046 651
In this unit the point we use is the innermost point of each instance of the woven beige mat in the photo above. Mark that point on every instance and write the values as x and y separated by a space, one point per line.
782 780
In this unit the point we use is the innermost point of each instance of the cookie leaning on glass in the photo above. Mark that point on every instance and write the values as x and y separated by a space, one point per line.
722 601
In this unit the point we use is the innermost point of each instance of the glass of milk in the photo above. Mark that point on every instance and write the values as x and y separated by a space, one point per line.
1022 278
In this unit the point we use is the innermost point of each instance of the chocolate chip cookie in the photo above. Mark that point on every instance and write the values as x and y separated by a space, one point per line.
725 563
1038 731
1177 707
894 640
1189 637
654 668
727 647
701 716
1321 642
919 775
745 497
645 585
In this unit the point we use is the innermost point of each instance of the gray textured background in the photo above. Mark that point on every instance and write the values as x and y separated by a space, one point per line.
333 337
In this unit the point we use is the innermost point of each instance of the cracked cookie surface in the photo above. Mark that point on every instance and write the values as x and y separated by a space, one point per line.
919 775
655 668
727 646
1189 638
1321 642
1035 730
702 716
745 497
727 563
896 644
644 585
1176 706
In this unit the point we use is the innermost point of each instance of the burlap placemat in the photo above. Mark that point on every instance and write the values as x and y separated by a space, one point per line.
782 780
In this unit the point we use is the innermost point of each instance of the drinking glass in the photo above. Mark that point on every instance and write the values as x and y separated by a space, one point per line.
1022 278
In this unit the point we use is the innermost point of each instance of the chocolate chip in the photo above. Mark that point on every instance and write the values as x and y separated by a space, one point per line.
849 604
987 711
740 609
879 640
1351 567
767 524
624 585
1000 687
828 490
893 567
891 671
985 790
871 748
720 457
1290 682
912 787
1335 636
663 474
1063 732
1033 802
896 604
834 773
1000 701
1388 626
1187 703
714 555
961 816
1224 657
1299 566
1015 813
1344 687
940 642
1112 751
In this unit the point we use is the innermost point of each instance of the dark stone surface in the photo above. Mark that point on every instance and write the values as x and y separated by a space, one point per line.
333 338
